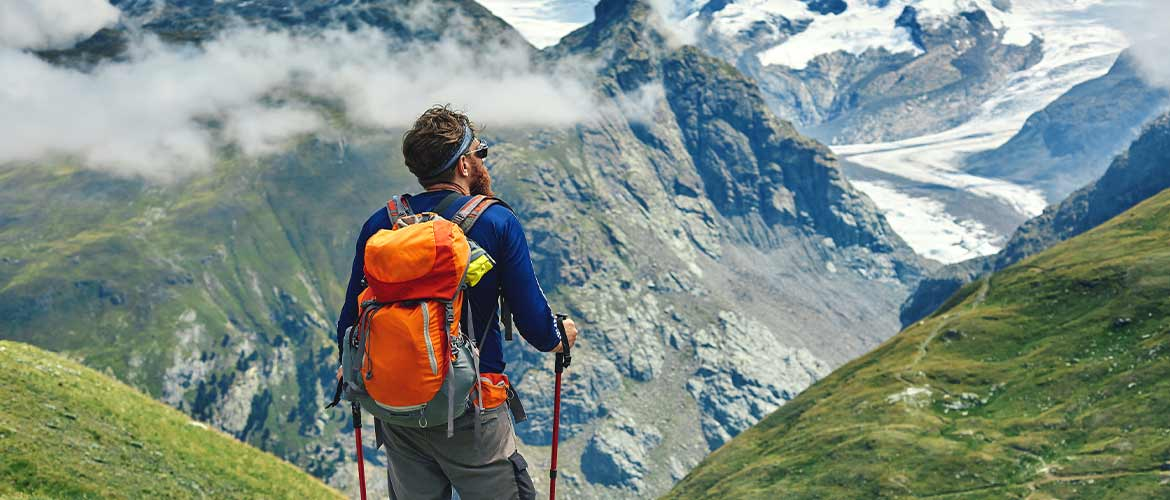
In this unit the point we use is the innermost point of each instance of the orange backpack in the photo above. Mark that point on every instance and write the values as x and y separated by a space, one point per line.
406 361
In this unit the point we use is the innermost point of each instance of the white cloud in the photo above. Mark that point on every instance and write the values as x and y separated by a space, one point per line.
642 104
148 115
45 24
671 14
1144 23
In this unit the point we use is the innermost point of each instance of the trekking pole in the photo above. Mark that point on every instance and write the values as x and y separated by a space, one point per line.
357 435
563 360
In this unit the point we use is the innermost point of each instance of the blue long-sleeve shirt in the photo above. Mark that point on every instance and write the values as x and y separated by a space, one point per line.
498 231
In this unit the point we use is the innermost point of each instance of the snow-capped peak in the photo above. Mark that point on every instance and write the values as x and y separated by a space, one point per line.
871 24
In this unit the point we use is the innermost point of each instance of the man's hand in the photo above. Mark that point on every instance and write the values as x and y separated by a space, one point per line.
339 373
570 334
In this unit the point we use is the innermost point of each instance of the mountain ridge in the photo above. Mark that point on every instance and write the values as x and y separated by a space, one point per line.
976 400
1067 144
1136 173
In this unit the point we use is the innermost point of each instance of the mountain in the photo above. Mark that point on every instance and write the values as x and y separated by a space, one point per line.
849 85
1047 379
69 431
1134 175
717 261
1065 145
904 90
714 233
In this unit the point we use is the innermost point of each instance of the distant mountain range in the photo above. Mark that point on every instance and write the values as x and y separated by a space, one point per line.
1137 173
1067 144
849 85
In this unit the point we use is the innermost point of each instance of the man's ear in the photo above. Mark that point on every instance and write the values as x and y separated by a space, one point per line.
463 166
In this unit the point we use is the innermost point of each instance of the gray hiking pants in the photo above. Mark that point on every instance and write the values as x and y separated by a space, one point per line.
424 464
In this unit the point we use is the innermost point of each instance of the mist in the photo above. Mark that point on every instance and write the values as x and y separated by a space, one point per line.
1144 23
48 24
164 111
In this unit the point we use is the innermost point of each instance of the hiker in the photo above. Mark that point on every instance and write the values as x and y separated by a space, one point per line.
444 152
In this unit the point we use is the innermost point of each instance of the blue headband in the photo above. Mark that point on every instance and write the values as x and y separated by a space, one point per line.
463 145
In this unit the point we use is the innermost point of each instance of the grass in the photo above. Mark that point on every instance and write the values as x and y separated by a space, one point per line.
255 251
1050 379
69 431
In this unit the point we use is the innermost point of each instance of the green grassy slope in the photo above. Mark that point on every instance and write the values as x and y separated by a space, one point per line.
1050 379
216 295
69 431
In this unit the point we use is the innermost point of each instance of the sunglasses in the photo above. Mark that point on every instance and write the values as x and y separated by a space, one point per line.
481 152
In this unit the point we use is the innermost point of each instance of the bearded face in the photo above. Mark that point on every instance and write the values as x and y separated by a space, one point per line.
481 180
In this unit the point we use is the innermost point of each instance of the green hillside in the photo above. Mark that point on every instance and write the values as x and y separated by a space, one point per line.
67 431
1050 379
215 295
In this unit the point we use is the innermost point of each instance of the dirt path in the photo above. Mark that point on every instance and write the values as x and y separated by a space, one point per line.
1051 478
984 288
1045 473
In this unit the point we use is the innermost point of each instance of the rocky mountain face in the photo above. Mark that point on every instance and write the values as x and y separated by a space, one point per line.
1068 144
418 20
1043 379
875 95
717 262
1136 174
1139 172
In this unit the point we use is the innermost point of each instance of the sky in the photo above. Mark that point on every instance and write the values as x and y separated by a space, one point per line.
543 22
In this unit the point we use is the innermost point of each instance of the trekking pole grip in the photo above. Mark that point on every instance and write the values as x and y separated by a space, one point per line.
563 357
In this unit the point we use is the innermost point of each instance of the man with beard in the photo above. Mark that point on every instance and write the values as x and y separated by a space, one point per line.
444 153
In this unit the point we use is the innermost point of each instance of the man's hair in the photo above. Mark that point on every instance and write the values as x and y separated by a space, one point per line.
432 140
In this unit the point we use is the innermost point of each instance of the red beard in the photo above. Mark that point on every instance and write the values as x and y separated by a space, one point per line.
481 181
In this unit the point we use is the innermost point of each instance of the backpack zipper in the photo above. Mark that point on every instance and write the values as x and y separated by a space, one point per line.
427 337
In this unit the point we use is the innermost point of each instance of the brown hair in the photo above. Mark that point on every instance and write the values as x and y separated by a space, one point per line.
431 141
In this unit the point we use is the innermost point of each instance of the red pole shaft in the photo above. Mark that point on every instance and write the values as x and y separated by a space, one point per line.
357 434
552 485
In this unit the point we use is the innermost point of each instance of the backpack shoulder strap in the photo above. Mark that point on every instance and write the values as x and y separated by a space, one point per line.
397 207
446 203
469 214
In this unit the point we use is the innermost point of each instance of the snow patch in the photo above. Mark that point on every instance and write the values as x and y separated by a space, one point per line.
859 28
1079 45
871 25
926 226
740 16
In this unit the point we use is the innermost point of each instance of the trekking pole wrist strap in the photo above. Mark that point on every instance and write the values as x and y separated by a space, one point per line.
564 358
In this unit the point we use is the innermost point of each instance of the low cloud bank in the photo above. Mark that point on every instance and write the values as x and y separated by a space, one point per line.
163 112
49 24
1144 23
